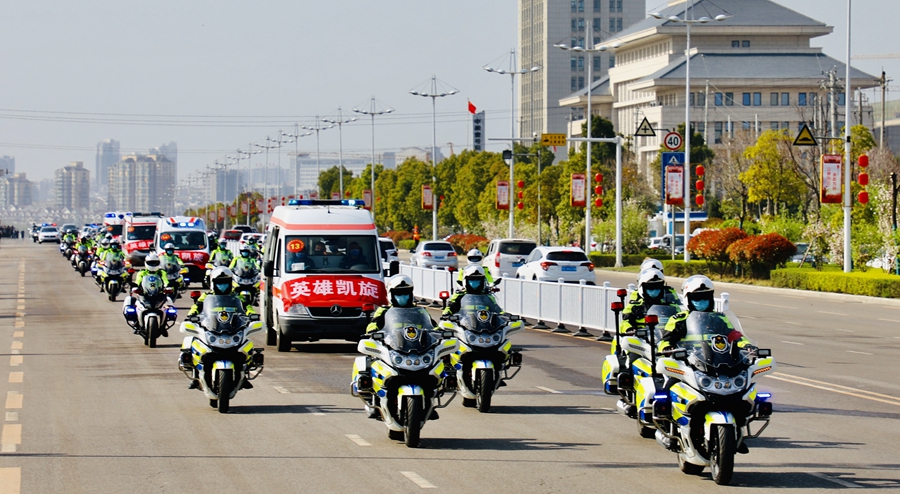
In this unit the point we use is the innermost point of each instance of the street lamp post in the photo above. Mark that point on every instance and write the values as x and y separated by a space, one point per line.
590 50
296 137
434 95
317 128
373 110
249 155
687 116
279 177
266 174
513 72
340 123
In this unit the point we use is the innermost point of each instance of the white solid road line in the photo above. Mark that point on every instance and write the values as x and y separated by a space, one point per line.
549 390
281 390
835 480
845 330
10 480
418 480
358 440
832 313
860 353
792 343
794 323
836 388
771 305
890 320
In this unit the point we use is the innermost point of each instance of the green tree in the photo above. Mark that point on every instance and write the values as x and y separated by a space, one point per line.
771 176
329 181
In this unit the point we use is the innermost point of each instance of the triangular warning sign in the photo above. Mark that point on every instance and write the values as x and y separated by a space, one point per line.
805 137
675 161
645 130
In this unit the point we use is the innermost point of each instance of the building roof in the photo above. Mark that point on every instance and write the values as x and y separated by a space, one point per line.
600 87
744 13
784 66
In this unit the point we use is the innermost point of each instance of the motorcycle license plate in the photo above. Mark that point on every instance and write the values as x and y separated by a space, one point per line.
569 268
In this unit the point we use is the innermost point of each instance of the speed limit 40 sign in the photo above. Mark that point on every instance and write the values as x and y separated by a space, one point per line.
672 141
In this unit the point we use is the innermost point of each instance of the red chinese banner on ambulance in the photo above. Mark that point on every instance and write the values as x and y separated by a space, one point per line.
326 291
830 173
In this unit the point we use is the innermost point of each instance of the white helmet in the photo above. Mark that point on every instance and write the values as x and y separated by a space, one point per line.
400 290
652 263
151 262
698 292
651 282
474 256
221 280
474 278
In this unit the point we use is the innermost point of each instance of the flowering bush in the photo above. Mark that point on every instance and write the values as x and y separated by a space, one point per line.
760 254
397 236
464 242
712 245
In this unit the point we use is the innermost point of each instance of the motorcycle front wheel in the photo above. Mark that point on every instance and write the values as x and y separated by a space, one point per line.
413 426
485 391
722 454
152 332
225 385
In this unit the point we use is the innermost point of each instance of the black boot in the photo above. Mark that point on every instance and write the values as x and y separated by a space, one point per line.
194 385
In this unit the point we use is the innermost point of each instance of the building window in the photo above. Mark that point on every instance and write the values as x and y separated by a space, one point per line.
729 99
575 84
597 5
745 43
580 64
718 132
746 99
701 99
757 99
719 99
735 43
774 99
574 62
773 125
577 5
841 100
745 125
692 99
785 99
619 20
801 99
785 125
612 61
615 5
597 24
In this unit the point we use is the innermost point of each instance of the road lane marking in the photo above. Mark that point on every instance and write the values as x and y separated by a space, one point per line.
845 330
836 388
314 411
860 353
281 390
20 323
793 343
771 305
794 323
890 320
16 377
835 480
18 334
418 480
549 390
10 480
16 345
12 416
10 438
14 399
832 313
358 440
15 360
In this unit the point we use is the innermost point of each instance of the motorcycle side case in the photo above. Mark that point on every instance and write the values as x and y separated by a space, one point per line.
609 372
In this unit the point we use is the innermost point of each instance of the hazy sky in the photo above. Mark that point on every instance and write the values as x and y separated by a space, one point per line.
215 76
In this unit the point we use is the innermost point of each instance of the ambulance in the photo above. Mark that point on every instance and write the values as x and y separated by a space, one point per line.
114 223
321 268
188 235
139 230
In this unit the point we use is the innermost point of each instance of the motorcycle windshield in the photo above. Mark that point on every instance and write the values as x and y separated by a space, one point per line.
151 285
171 268
408 330
663 313
114 264
223 314
480 313
709 340
242 270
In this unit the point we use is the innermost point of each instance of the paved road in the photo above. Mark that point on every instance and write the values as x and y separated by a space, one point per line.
90 409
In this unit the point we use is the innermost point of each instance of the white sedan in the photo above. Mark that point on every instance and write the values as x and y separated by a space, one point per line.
552 263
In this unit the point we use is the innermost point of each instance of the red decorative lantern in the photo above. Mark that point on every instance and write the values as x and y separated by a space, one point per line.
347 193
700 170
863 161
598 202
863 179
598 177
700 184
520 205
863 197
520 184
519 194
598 190
699 199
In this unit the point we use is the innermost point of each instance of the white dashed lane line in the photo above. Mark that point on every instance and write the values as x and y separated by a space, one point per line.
860 353
10 480
358 440
549 390
418 480
792 343
832 313
835 480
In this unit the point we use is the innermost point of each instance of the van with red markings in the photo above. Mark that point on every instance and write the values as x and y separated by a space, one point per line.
322 268
114 223
188 235
139 230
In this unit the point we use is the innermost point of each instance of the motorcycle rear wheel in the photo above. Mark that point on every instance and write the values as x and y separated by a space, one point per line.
485 385
722 454
152 332
413 426
225 385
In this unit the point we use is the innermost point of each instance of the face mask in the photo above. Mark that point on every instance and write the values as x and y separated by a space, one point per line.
402 299
300 255
474 284
701 305
223 287
654 293
354 252
170 252
245 254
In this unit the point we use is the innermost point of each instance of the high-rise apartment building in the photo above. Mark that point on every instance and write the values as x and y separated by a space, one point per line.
72 187
170 151
16 190
7 165
544 23
142 183
224 185
107 156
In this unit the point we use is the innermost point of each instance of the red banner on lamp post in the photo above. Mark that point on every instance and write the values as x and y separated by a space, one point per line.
503 195
675 185
427 198
367 198
830 174
578 190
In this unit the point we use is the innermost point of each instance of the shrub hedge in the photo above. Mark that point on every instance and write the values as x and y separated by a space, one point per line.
683 270
406 244
873 283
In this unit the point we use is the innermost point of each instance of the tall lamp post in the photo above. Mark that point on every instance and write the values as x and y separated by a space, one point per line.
687 115
340 123
434 95
513 72
317 128
372 111
249 155
296 137
267 147
590 50
279 178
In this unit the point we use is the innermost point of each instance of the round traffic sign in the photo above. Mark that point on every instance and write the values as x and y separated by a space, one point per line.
672 141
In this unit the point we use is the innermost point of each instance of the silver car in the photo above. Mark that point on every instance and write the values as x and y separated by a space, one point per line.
435 253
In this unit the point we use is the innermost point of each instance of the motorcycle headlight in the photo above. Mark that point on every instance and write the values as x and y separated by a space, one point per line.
398 359
704 381
426 359
740 381
472 337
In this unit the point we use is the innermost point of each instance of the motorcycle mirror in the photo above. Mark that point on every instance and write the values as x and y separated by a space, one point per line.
447 334
641 333
254 317
621 292
679 354
379 336
454 318
194 318
763 352
651 319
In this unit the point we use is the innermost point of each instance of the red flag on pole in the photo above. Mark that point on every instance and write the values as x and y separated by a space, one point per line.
472 108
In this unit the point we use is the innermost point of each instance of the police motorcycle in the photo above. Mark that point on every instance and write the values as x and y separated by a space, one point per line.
82 259
213 264
222 358
151 312
67 249
403 376
175 273
707 413
246 283
114 277
485 353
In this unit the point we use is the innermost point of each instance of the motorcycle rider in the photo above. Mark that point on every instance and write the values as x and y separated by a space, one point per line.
474 282
112 254
671 296
400 294
474 258
168 256
70 236
221 282
652 290
246 260
151 266
221 256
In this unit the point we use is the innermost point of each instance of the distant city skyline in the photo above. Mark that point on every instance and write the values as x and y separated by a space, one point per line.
216 79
